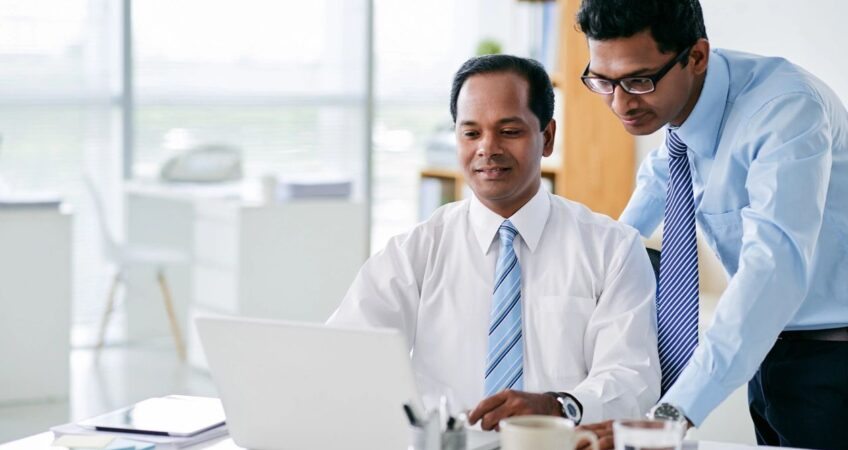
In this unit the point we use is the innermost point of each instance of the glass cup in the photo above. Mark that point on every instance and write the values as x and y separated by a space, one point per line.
648 435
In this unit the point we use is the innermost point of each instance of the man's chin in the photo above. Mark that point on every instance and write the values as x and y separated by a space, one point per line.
642 129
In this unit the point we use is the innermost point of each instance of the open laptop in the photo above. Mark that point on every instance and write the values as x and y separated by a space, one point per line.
287 385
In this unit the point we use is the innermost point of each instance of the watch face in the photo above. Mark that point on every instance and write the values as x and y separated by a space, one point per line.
667 412
571 410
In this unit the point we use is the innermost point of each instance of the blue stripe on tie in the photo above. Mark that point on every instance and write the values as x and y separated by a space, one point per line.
503 316
497 348
677 290
508 270
512 383
505 356
501 380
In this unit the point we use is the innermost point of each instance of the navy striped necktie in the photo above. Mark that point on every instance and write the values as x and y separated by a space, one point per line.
677 295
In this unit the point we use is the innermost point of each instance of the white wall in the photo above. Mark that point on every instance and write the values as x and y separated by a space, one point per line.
809 33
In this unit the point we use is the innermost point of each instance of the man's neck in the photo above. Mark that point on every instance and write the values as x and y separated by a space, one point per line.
690 104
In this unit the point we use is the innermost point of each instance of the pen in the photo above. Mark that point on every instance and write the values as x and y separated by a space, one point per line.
410 414
451 423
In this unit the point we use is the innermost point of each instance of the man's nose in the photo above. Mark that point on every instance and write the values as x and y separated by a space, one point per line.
623 101
488 145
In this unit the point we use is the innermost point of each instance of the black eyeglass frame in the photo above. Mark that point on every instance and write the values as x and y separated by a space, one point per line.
654 78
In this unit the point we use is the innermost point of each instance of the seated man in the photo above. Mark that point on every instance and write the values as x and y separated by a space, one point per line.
516 300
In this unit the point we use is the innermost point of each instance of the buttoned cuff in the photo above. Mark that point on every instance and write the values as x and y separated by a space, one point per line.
696 394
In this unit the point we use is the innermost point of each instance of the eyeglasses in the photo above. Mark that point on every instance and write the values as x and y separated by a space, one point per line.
632 85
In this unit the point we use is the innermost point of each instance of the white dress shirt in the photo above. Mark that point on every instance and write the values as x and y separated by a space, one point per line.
587 299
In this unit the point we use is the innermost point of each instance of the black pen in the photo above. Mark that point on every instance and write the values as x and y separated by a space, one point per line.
410 415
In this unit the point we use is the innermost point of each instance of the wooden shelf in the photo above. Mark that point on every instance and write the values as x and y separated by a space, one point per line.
597 166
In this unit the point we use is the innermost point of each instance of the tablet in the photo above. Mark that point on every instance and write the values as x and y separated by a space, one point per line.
174 415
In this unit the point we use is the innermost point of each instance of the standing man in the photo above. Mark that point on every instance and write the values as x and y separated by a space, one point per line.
756 153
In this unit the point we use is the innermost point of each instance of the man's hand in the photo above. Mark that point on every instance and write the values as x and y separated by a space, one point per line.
510 403
601 429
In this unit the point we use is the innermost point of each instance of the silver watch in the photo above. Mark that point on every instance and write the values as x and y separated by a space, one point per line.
667 411
571 408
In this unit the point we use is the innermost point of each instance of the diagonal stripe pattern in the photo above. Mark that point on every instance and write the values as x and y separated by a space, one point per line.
505 358
677 295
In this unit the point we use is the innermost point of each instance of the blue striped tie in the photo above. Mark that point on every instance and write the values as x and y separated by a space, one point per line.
677 296
505 360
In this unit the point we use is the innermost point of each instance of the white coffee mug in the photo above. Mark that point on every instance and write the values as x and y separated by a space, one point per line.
542 433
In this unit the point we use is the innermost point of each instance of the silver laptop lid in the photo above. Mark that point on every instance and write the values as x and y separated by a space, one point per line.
287 385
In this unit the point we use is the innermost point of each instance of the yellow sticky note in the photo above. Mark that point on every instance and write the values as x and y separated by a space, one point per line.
83 441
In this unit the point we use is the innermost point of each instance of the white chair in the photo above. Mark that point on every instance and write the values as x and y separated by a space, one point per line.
129 257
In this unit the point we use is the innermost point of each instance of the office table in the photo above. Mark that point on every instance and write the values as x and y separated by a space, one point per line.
43 441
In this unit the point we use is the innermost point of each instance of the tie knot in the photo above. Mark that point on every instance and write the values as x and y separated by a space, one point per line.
507 232
676 147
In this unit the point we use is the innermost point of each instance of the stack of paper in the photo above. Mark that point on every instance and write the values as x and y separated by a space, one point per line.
91 442
173 421
161 442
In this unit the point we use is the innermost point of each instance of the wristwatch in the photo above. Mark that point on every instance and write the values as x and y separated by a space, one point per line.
571 407
667 411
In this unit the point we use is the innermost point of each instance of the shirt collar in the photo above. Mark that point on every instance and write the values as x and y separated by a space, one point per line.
700 130
529 221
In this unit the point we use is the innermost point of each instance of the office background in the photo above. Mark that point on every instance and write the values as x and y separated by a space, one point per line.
330 91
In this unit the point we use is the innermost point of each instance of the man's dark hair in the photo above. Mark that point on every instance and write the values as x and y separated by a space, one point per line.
674 24
541 95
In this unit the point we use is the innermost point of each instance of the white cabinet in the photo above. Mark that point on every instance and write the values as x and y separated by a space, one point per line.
35 297
291 261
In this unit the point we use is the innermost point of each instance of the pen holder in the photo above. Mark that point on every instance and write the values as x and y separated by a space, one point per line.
454 439
431 437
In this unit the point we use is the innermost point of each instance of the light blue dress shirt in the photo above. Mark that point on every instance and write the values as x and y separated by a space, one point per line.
768 151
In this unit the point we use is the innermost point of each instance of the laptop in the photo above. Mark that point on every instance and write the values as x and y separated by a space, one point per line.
288 385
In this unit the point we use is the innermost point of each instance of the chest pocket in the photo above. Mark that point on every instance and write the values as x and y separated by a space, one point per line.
723 233
555 330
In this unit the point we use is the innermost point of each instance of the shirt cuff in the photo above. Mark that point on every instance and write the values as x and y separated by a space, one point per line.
696 394
592 406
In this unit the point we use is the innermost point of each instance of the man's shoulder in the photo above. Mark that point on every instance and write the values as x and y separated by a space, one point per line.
588 222
756 80
444 217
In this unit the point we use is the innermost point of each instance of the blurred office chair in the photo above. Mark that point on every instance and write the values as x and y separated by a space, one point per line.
128 257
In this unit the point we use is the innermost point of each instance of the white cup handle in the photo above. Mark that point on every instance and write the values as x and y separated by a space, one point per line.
589 436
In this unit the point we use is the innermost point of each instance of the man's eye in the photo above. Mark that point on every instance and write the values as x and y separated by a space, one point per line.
511 132
470 134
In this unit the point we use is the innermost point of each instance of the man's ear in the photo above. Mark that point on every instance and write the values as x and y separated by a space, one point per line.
699 56
549 133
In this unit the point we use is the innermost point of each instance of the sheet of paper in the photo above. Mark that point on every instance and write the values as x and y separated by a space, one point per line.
83 441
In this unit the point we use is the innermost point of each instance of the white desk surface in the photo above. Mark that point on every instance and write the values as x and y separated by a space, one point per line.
42 441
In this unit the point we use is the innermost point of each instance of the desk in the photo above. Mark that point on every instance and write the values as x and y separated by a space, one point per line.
35 294
42 441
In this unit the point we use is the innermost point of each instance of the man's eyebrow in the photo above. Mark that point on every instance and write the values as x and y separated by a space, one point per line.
635 73
505 120
510 120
